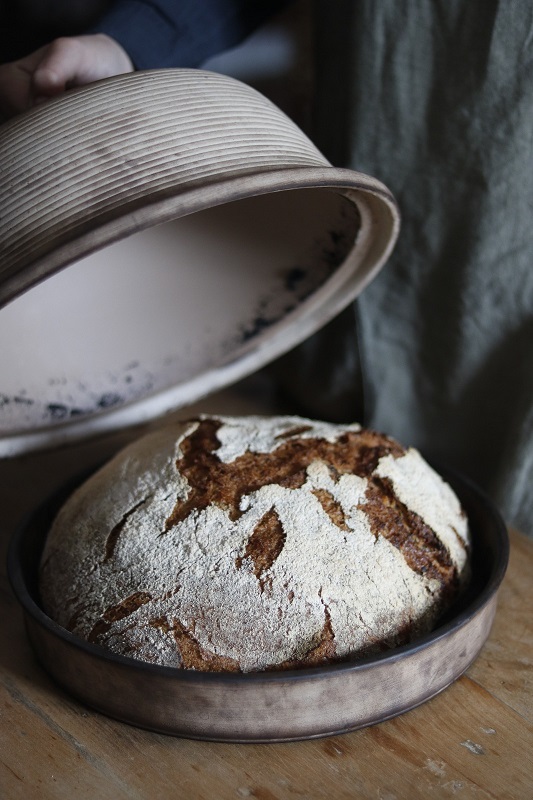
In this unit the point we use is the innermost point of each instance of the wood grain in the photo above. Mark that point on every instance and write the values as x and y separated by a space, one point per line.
472 741
506 669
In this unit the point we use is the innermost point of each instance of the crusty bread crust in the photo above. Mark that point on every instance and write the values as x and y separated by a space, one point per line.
253 543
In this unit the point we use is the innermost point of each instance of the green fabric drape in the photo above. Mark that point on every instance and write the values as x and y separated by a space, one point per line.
435 98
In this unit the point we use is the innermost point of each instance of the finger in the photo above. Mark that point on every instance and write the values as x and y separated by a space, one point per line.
75 61
61 64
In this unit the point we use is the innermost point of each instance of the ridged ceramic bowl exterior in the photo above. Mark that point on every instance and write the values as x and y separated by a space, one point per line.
122 155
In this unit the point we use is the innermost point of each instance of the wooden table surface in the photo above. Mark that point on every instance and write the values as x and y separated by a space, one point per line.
475 740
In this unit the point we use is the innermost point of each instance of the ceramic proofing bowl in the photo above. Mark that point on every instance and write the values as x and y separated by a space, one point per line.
204 235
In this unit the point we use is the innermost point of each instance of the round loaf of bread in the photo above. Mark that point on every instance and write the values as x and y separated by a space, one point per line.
254 543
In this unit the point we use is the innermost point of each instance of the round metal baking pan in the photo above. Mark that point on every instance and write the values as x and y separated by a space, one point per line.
271 706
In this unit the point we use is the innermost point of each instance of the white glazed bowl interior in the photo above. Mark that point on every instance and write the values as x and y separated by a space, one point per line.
166 306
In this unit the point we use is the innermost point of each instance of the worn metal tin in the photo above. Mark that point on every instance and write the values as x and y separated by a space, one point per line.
270 706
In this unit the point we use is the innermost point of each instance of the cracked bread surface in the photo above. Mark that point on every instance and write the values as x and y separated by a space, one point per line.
254 543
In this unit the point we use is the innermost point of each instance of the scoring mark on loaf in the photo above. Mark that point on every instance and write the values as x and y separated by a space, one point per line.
406 530
296 431
118 612
332 508
191 654
115 532
264 546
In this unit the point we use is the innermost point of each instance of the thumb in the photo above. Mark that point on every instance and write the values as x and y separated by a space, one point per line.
60 65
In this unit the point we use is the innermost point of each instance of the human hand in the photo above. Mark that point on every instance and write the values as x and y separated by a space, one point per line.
58 66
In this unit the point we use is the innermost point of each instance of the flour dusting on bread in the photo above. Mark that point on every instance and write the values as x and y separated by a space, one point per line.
253 543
